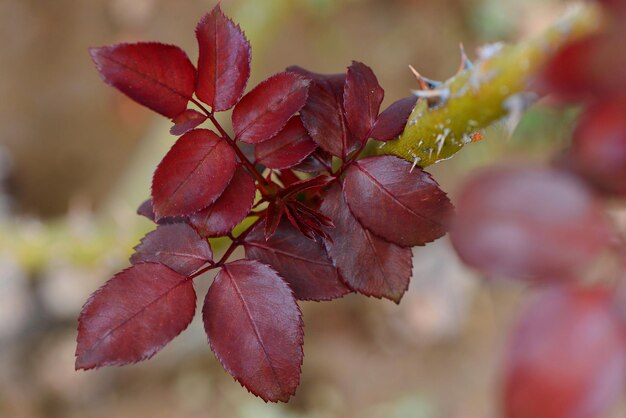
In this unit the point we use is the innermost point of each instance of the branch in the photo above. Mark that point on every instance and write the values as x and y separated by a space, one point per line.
496 85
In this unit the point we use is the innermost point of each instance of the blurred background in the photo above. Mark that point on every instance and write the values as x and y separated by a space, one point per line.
76 159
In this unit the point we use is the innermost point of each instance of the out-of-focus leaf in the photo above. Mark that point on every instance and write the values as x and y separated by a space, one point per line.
566 357
528 222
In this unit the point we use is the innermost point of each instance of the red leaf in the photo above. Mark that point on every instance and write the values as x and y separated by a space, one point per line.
223 61
288 148
587 69
302 262
158 76
528 223
323 115
186 121
133 316
362 97
315 163
368 264
193 174
178 246
402 206
598 150
254 328
566 357
146 210
265 110
391 122
230 208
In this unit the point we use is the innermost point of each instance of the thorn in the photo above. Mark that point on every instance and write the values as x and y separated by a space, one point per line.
424 83
441 94
466 63
416 160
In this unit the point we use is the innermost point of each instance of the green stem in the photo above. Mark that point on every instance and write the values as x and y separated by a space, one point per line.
479 96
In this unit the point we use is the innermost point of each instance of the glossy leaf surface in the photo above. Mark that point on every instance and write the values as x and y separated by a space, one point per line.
223 61
362 97
528 223
391 121
133 316
254 328
186 121
158 76
323 115
402 206
288 148
302 262
265 110
193 174
566 357
178 246
368 264
229 209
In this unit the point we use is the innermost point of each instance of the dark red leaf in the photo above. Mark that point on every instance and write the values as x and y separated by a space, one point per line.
317 162
323 115
391 122
598 150
145 209
265 110
186 121
223 61
308 184
254 328
528 223
616 8
402 206
229 209
133 316
368 264
587 69
193 174
178 246
158 76
566 357
302 262
288 148
362 97
274 213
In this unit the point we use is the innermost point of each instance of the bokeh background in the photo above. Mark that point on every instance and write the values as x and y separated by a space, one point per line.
76 159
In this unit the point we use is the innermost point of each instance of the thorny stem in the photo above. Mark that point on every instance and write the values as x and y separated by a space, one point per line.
479 96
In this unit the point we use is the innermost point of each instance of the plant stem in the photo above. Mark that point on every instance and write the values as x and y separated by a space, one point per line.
479 96
263 183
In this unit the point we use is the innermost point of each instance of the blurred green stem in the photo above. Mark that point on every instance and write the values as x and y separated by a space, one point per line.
476 97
